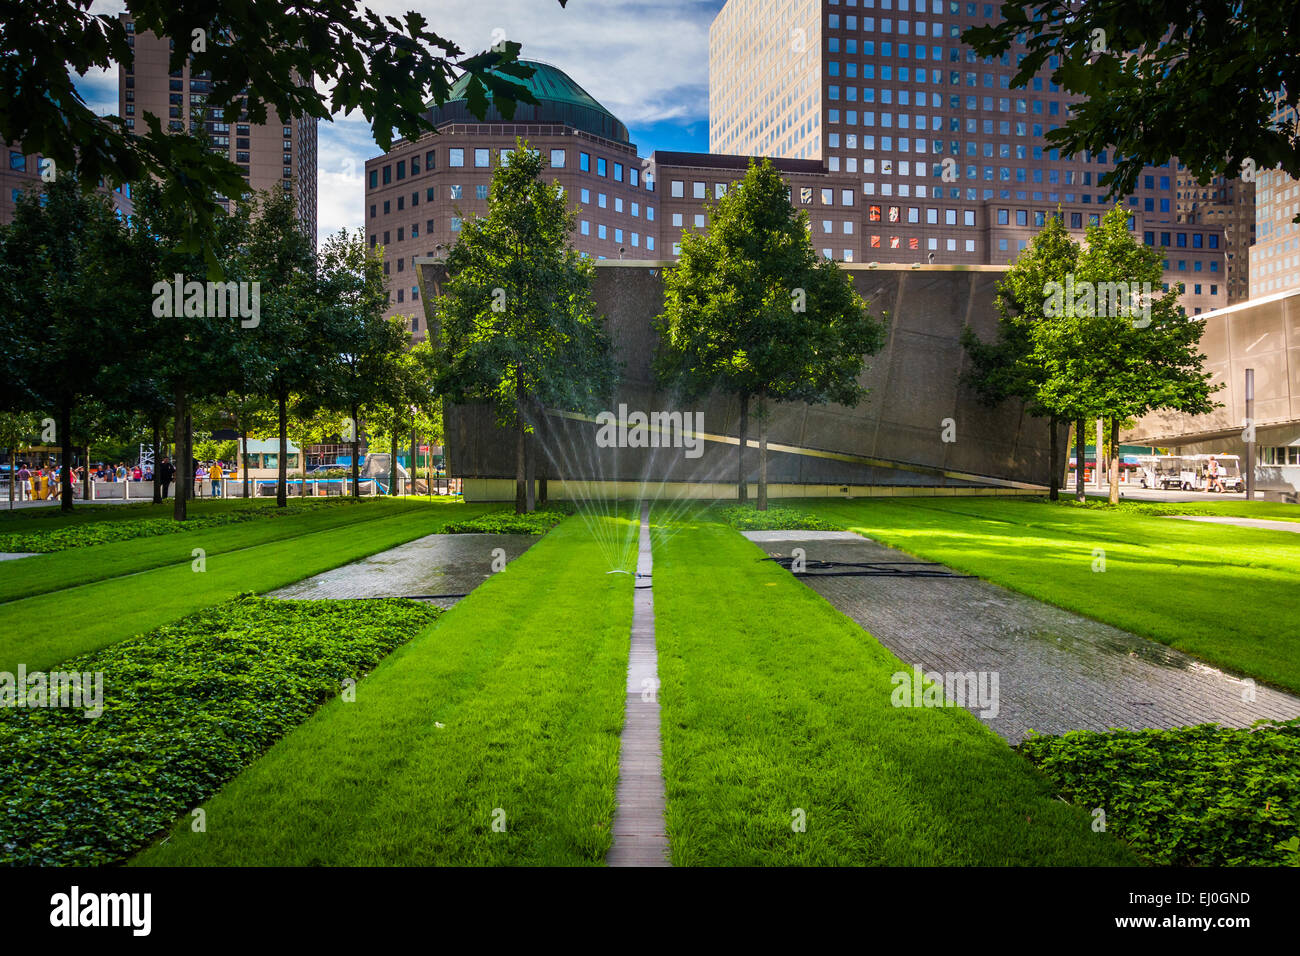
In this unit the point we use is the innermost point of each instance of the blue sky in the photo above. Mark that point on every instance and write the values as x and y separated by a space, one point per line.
647 61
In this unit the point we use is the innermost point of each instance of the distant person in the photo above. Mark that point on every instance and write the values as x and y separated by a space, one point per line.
1216 482
25 479
121 471
166 472
136 473
214 474
200 473
148 472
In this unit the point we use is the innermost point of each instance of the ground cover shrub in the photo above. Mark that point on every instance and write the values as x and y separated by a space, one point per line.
1192 796
775 518
186 707
507 522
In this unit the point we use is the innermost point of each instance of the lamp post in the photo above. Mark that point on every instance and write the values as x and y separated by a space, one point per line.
1250 434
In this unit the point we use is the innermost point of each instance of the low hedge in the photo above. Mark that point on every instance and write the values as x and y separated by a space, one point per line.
506 522
1193 796
105 532
775 518
186 708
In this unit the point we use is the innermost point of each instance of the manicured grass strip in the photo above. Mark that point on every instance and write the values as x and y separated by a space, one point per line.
185 708
1193 796
775 518
85 512
1266 510
509 711
62 537
774 704
1221 593
42 631
53 572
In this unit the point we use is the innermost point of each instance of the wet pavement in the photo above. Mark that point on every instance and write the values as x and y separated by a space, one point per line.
1056 670
440 568
13 555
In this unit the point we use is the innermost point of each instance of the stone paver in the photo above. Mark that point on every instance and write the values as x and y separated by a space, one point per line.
1057 671
640 837
438 568
1271 525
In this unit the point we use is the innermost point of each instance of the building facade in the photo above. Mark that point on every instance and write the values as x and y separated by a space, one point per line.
925 127
22 171
1275 259
277 154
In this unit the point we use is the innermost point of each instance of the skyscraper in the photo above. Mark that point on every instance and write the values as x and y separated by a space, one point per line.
278 154
1275 258
949 160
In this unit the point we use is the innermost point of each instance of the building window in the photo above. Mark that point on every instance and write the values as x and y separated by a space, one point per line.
677 189
455 224
456 157
480 191
602 167
482 158
584 162
557 159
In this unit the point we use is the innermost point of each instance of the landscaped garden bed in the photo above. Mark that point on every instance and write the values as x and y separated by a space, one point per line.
775 518
1192 796
185 708
507 522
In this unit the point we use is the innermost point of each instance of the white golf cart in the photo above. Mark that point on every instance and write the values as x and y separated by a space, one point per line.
1229 472
1167 471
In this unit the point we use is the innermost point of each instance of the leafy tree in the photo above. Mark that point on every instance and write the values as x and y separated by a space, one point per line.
291 338
71 307
750 310
366 345
1137 360
1006 368
1157 76
265 60
16 430
517 326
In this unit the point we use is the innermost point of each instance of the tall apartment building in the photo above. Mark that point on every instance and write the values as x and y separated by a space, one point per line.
420 192
21 171
278 154
885 91
1275 258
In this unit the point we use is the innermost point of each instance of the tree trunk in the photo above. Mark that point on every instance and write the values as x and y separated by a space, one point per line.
430 468
157 440
1079 449
13 473
302 466
356 452
189 452
182 463
65 454
411 470
530 472
85 475
282 472
1054 442
521 497
742 486
762 452
392 459
248 484
1113 470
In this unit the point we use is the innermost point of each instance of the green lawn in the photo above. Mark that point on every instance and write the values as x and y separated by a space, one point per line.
43 630
77 566
1224 594
775 702
512 702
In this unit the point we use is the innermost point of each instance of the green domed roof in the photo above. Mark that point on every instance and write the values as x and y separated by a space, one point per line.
559 100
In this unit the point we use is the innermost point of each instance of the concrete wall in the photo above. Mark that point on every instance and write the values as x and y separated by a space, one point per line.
1262 334
892 439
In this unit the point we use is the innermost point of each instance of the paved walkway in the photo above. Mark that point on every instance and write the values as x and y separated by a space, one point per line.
1292 526
1057 671
640 837
13 555
441 568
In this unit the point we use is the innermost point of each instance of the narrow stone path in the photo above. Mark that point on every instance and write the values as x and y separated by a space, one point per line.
1056 670
640 838
1271 525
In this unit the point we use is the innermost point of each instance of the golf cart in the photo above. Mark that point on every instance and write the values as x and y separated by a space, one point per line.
1167 471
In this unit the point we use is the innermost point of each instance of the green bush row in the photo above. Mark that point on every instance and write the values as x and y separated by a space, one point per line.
186 708
775 518
1192 796
106 532
505 522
